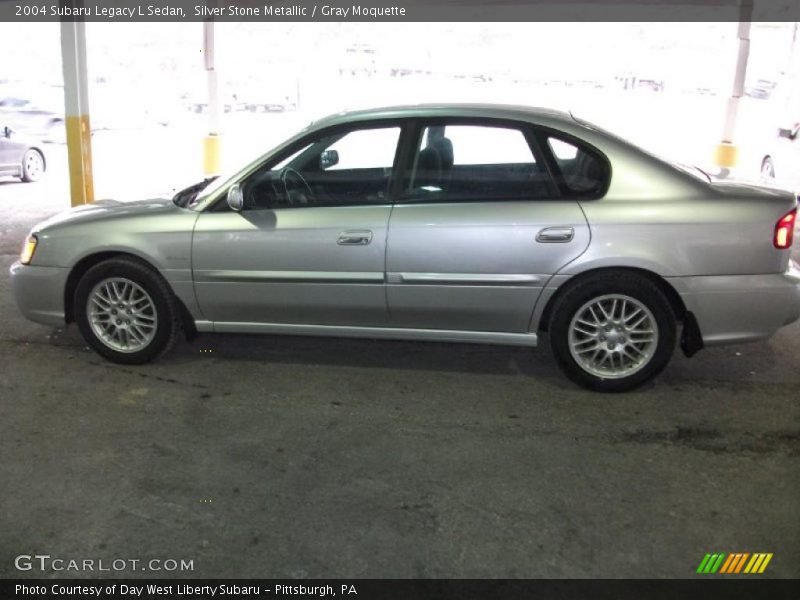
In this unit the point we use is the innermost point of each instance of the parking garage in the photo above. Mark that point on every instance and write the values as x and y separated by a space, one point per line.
318 456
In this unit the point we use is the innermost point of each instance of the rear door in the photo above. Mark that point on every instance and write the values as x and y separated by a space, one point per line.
479 228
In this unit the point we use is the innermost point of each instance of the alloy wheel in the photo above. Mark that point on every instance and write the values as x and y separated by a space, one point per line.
613 336
122 314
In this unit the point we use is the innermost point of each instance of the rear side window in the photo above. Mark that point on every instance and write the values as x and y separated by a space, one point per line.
475 163
581 171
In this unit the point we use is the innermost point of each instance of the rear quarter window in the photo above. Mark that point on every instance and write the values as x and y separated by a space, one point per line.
581 171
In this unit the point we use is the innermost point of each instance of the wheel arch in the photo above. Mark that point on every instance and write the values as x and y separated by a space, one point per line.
87 262
674 298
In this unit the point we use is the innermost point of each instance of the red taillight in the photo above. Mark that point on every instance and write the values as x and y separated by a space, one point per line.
784 230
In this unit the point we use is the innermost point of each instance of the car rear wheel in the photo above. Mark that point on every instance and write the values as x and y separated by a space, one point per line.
126 311
612 332
32 166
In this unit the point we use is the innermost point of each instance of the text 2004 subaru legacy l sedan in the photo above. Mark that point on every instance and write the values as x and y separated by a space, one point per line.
488 224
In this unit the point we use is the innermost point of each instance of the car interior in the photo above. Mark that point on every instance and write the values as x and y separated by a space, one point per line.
311 178
581 172
452 170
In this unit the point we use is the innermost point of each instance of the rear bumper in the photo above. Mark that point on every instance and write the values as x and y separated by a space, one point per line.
39 292
741 308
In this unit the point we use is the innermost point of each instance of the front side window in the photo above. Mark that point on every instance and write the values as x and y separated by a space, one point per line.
475 163
344 168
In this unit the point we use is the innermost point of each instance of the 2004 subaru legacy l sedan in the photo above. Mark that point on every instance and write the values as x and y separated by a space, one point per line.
461 223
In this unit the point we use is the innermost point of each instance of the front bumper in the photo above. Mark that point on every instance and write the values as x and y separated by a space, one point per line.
740 308
39 292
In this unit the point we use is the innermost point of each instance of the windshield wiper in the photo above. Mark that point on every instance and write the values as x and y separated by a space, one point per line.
185 197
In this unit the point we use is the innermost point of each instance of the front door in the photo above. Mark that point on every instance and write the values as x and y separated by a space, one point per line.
10 153
480 229
309 246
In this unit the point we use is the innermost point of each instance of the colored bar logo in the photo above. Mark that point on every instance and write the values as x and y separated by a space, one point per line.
734 563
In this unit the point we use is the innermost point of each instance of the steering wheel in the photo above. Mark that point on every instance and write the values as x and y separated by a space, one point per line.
303 196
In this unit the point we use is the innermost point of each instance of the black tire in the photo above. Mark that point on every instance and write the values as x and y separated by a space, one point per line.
166 308
583 290
33 166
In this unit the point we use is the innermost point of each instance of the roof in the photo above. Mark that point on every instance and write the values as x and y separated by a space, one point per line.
449 110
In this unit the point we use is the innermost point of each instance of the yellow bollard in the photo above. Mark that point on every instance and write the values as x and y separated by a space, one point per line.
211 155
726 155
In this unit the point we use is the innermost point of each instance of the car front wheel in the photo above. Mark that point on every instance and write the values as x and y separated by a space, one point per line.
32 166
612 332
126 311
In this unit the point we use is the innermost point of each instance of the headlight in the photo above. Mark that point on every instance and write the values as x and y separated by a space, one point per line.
28 250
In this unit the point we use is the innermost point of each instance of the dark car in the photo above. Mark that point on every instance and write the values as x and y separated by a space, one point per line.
32 118
20 156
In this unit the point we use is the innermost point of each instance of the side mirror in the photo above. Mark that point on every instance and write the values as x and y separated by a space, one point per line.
236 197
328 158
7 131
789 133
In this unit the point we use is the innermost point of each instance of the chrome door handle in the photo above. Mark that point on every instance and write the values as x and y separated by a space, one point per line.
354 238
555 235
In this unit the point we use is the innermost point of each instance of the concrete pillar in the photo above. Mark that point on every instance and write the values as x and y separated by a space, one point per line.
726 153
76 105
211 144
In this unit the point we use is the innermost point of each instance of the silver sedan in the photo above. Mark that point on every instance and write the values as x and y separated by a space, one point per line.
462 223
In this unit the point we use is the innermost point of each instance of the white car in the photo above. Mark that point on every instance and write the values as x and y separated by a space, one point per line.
780 165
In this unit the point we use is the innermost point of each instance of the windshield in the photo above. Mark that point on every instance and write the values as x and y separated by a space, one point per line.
616 137
210 186
218 183
186 198
693 170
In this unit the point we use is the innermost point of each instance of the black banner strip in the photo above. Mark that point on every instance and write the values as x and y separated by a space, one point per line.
745 587
398 10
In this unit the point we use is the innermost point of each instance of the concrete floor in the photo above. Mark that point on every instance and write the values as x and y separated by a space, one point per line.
306 457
